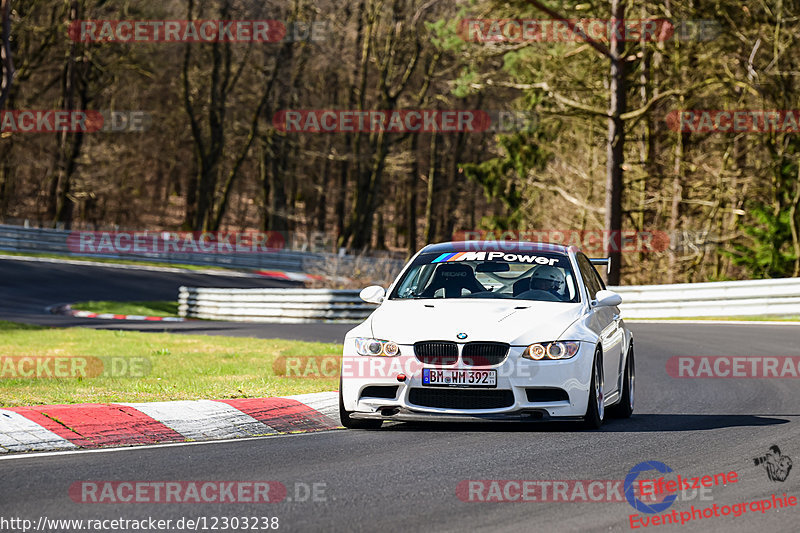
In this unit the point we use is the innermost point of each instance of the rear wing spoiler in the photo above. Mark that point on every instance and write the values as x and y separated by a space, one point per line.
602 261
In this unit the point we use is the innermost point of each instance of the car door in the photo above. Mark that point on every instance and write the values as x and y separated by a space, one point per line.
606 322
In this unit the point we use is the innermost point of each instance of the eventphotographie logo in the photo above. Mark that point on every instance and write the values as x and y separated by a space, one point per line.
777 465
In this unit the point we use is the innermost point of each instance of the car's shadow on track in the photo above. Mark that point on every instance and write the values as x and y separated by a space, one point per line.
643 423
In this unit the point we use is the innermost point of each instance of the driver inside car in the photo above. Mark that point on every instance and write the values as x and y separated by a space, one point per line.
549 280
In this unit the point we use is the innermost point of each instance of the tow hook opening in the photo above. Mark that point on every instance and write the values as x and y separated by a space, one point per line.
390 411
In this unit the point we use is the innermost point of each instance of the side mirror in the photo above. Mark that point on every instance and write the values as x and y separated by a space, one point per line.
607 299
373 294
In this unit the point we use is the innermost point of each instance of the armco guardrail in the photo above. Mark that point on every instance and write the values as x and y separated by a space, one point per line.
273 305
727 298
719 298
37 240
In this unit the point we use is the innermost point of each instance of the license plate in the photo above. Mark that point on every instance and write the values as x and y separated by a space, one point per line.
459 378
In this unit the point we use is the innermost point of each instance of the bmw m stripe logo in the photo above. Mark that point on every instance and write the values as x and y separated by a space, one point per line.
462 335
492 256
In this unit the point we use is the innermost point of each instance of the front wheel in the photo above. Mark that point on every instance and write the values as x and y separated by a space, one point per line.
595 411
624 409
354 423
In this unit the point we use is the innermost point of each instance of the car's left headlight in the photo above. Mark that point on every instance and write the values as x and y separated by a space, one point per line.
551 350
376 347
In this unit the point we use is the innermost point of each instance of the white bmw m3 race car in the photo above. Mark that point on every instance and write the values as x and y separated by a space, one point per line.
490 331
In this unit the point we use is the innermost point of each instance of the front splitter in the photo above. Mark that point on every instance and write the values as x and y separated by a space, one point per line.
408 415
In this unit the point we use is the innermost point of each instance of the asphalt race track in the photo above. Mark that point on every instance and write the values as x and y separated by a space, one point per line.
404 477
27 288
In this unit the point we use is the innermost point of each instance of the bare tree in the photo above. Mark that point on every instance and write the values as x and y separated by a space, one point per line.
74 92
616 127
6 63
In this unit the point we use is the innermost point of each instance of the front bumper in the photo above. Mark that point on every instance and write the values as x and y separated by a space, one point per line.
515 374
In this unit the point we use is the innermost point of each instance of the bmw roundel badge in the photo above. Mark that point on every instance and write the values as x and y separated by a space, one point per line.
462 335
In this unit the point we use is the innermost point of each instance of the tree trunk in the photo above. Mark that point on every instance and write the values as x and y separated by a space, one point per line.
411 199
358 98
615 146
430 219
210 150
277 205
455 198
263 179
675 204
7 171
73 88
321 193
372 200
6 63
794 226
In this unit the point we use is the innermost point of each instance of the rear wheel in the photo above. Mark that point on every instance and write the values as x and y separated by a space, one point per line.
354 423
595 411
624 409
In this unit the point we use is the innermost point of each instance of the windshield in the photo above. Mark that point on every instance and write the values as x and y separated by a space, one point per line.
544 277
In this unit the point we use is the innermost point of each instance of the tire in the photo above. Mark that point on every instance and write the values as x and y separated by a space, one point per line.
595 411
624 409
354 423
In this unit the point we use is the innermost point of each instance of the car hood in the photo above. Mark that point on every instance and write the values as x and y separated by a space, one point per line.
518 322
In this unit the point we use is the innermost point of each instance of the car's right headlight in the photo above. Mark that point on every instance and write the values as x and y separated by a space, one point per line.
551 350
376 347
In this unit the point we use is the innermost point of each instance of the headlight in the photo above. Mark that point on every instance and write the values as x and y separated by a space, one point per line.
376 347
551 350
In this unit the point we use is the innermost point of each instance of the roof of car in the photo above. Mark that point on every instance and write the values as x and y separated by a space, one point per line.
496 246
